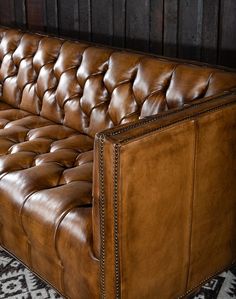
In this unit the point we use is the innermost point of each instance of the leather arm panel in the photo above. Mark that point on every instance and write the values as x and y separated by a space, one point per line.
159 191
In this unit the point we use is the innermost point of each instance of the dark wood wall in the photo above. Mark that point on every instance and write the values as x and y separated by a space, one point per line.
194 29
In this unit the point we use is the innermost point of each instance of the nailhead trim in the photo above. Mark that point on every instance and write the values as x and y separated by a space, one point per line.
102 215
116 226
101 138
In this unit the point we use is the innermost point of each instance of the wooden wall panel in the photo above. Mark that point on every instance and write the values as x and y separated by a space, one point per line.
102 21
119 23
156 32
35 17
137 25
190 29
20 13
203 30
170 41
52 16
85 21
7 14
68 17
210 31
227 38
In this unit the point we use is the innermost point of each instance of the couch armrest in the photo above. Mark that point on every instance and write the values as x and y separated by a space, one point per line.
164 200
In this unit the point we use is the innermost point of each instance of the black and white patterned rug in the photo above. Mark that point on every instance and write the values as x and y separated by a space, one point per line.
222 286
17 282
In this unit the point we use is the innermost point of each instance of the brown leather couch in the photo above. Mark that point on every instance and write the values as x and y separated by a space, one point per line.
118 169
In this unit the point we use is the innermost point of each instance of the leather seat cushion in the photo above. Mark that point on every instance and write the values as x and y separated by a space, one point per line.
45 179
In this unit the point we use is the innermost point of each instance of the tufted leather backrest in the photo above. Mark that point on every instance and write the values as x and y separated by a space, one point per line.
90 88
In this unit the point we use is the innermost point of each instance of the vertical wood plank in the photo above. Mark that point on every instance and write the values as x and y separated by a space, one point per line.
156 26
20 13
119 20
7 15
170 28
68 17
52 16
36 14
190 28
137 24
85 19
210 27
227 42
102 21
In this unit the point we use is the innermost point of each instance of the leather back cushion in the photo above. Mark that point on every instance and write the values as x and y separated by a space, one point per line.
90 88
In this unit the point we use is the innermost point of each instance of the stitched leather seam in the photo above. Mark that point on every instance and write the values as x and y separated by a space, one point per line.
192 201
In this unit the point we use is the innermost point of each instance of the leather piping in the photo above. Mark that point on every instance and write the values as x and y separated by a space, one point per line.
196 139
